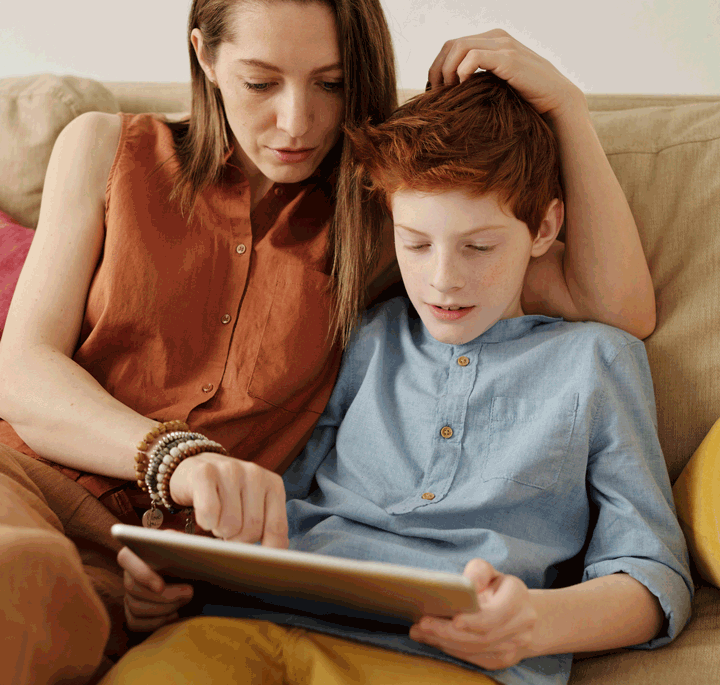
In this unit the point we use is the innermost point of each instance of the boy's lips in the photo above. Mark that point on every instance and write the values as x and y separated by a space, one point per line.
450 314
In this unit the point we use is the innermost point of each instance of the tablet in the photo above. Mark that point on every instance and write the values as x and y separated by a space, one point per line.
375 587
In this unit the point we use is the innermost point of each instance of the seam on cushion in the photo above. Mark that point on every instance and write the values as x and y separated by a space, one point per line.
663 149
55 91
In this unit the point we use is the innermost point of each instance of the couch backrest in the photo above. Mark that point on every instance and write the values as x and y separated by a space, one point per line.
667 159
665 151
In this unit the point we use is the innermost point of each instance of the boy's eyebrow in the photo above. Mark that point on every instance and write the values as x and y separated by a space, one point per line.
472 231
271 67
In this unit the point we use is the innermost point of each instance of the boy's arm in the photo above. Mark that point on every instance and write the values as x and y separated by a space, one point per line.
601 273
636 587
601 614
515 623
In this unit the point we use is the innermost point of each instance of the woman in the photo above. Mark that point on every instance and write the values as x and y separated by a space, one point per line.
189 274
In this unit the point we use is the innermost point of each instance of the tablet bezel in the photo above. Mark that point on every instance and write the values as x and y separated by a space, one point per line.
379 588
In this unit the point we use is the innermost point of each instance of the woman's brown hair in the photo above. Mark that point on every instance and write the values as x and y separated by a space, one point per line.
370 95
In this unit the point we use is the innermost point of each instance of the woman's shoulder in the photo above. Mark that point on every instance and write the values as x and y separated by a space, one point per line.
96 130
89 142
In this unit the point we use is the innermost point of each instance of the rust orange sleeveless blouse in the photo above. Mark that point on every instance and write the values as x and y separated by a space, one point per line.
222 322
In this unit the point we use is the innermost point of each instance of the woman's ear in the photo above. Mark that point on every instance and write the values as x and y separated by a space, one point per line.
549 228
198 42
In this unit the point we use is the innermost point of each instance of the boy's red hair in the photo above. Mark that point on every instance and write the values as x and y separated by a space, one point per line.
479 136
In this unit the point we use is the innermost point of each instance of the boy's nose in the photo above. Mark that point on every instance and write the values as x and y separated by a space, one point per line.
446 276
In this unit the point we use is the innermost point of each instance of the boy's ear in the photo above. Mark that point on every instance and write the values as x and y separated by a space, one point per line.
549 228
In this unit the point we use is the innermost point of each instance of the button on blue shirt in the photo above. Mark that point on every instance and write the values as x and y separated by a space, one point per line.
533 447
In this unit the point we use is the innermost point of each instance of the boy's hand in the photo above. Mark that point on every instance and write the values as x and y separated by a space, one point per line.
497 636
149 602
234 499
536 79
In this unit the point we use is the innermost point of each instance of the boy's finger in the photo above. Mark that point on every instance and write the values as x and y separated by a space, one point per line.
142 609
170 594
146 625
139 571
481 573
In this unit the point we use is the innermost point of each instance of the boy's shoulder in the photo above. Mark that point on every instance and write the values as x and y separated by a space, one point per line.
594 331
384 317
589 337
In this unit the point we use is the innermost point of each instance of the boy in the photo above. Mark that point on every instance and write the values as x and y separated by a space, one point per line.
464 436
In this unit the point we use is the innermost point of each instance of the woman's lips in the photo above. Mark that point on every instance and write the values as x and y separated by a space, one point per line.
289 156
449 314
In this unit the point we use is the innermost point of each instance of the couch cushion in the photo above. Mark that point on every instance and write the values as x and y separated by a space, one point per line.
667 161
697 494
14 245
33 111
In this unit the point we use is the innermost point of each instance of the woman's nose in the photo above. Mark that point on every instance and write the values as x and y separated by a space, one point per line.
294 114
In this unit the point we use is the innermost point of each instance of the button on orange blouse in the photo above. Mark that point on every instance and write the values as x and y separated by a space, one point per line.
222 322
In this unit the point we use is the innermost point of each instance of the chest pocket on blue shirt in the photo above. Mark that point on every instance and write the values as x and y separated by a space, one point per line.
529 439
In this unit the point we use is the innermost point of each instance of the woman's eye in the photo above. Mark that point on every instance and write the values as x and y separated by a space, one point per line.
416 248
257 87
332 86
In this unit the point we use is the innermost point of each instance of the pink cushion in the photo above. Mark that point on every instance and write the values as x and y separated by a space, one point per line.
14 245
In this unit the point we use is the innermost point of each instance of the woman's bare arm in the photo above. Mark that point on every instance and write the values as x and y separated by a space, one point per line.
58 408
601 272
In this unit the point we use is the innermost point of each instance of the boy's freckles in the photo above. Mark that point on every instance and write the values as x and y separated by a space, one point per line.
463 260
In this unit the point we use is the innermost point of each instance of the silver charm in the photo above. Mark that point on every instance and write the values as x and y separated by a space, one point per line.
152 518
189 522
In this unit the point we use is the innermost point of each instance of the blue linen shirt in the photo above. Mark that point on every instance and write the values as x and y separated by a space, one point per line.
551 470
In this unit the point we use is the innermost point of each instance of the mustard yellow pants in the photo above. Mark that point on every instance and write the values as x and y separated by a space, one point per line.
216 651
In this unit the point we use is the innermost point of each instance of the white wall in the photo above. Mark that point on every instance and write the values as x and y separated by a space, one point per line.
630 46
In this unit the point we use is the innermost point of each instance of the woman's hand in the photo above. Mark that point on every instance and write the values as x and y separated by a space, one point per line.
234 499
497 636
536 79
149 602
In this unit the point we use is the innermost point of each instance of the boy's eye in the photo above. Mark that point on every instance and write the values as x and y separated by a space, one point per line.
480 248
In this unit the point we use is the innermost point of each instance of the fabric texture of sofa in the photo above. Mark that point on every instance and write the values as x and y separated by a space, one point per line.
665 150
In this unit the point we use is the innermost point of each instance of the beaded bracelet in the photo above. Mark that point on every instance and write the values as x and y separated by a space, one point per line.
173 459
160 449
141 458
153 517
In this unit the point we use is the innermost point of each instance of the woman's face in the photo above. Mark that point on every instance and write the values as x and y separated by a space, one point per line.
282 85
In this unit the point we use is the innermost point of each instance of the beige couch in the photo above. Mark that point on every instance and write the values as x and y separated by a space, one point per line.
666 152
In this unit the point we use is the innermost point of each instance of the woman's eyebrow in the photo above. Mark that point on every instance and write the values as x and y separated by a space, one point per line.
337 66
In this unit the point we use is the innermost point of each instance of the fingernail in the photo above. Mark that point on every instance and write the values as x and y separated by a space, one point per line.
428 86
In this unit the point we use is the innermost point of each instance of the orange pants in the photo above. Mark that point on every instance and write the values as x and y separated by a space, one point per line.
60 586
220 651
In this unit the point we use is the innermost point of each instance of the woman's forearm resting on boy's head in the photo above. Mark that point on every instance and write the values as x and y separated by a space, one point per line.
601 272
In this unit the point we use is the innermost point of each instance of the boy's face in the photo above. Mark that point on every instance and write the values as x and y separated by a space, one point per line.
463 260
